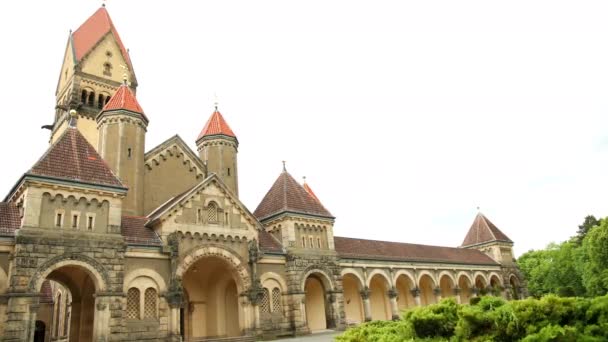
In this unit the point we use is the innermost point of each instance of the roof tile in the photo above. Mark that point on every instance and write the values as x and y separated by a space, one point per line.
135 231
72 158
10 219
92 31
482 231
269 243
287 195
216 125
385 250
123 99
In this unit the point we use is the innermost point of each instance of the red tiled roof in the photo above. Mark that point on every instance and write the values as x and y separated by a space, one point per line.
92 31
482 230
310 192
134 230
287 195
123 99
47 292
216 125
72 158
269 243
10 219
397 251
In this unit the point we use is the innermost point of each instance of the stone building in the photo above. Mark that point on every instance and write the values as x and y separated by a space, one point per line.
103 241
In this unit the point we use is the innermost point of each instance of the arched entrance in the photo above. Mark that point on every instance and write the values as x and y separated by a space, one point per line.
315 304
427 287
381 308
74 313
212 308
446 284
464 283
405 285
353 304
496 285
481 285
39 332
514 282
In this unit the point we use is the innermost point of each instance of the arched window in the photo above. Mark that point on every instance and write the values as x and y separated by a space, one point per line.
265 304
107 99
100 101
276 301
91 99
212 212
133 303
107 69
84 96
150 303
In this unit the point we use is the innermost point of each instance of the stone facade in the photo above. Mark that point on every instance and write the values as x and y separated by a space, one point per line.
102 241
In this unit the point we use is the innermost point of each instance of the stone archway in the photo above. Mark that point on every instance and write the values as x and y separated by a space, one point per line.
214 278
380 305
318 306
405 285
352 286
83 278
465 285
427 289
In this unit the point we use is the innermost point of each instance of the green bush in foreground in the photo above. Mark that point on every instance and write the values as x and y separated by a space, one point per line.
550 318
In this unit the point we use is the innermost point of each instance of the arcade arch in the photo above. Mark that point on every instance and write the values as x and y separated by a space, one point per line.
427 289
404 285
353 303
318 309
379 301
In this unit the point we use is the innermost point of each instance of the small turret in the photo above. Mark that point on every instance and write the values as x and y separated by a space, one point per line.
486 237
217 146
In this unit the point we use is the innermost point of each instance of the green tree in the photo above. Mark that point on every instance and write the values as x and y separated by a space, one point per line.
595 260
583 229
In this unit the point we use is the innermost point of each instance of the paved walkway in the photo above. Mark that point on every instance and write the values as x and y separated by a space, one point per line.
319 337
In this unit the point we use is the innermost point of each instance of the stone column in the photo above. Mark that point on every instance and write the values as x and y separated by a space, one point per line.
507 292
475 292
21 314
457 294
101 326
392 296
437 293
367 307
490 290
416 294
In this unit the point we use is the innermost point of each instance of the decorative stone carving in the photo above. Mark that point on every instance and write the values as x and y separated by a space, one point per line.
365 293
392 293
437 291
415 292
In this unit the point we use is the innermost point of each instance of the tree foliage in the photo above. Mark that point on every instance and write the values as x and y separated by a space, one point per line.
578 267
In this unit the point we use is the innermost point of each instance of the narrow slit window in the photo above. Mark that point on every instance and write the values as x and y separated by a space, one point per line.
228 171
90 223
129 153
311 242
74 221
58 219
199 215
318 242
226 218
303 241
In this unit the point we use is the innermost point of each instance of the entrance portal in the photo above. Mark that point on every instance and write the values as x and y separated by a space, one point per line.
39 331
315 304
73 313
213 308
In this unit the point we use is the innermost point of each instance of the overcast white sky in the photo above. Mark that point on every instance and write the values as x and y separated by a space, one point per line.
404 115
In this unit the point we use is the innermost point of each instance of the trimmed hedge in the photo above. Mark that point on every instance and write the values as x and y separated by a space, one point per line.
550 318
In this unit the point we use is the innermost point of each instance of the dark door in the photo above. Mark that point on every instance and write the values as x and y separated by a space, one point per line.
39 331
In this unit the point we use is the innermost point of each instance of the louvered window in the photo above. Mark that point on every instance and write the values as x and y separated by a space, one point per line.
150 303
133 303
276 300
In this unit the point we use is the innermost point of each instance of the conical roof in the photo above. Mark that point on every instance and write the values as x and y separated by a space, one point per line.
72 158
287 195
482 231
92 31
216 125
123 99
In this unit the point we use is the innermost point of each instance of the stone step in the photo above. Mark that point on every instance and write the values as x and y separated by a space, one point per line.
223 339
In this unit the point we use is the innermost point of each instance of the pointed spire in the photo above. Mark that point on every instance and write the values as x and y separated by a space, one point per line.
287 195
87 36
124 99
483 231
216 125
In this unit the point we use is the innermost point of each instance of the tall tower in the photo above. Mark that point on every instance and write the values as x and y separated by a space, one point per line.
93 64
122 128
218 146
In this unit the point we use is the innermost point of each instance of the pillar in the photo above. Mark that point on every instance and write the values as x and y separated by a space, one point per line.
475 291
457 294
437 293
367 307
392 296
416 294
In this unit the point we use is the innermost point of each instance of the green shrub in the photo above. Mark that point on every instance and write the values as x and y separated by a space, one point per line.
550 318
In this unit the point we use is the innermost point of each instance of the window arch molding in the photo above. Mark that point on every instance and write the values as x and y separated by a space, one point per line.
143 294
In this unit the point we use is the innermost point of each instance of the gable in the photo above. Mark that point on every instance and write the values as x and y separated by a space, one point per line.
107 50
66 72
209 208
170 169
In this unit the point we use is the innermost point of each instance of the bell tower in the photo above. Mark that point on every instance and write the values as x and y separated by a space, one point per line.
218 146
93 64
